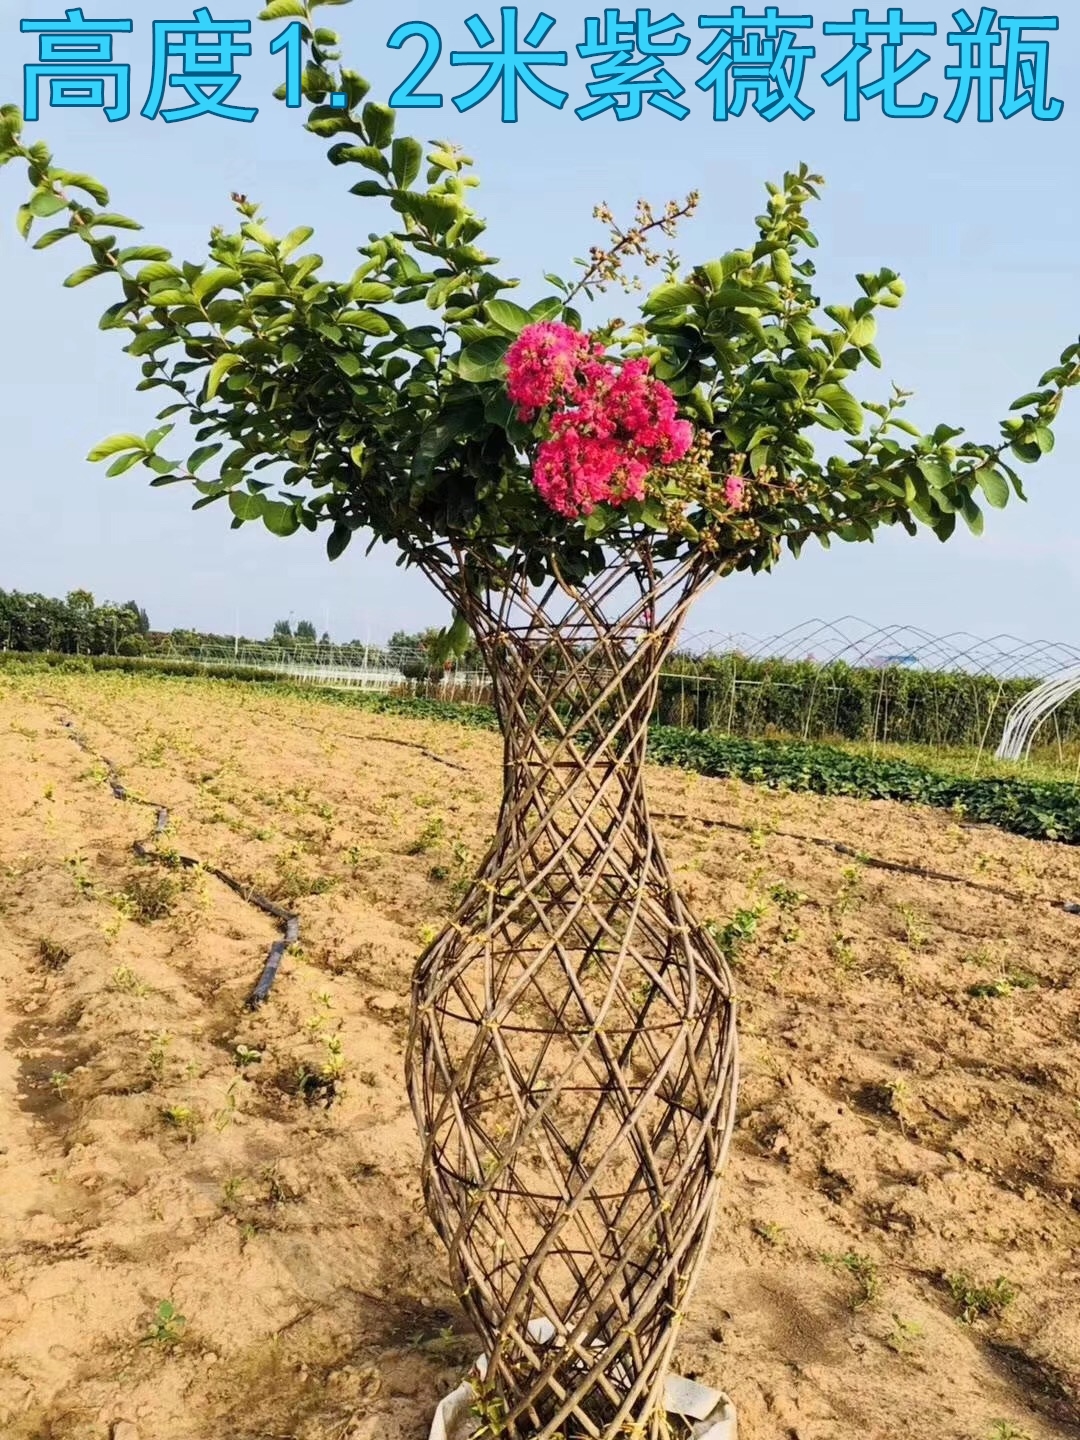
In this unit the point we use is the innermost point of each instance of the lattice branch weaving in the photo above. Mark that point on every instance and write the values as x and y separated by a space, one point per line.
572 1057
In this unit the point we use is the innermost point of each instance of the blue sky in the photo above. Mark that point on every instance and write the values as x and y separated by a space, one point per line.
980 219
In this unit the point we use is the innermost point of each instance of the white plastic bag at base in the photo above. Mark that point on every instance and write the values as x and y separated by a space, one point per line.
711 1415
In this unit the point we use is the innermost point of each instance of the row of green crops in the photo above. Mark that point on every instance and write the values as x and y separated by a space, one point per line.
1043 810
888 706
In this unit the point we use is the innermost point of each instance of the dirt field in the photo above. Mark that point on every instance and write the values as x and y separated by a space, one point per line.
156 1144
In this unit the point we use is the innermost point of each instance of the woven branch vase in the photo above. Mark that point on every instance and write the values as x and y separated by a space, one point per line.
572 1056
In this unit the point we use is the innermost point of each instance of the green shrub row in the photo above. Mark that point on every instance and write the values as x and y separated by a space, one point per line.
1042 810
131 665
894 706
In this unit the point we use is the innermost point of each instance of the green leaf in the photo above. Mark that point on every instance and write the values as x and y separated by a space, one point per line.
280 519
972 515
124 463
668 298
994 486
117 222
482 360
295 238
843 405
945 527
546 309
220 368
436 439
368 320
371 292
84 273
338 541
379 123
367 188
245 506
1044 439
508 316
862 333
1027 451
936 473
144 252
597 522
208 285
114 444
744 297
89 186
284 10
201 455
155 437
406 158
1017 483
164 299
45 203
1035 398
371 157
52 236
157 271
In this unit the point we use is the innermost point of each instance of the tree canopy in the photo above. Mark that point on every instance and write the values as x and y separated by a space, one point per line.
326 403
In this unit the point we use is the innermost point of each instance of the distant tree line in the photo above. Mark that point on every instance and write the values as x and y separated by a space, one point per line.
79 625
76 625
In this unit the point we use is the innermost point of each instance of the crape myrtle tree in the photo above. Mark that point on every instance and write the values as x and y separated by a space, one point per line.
572 1056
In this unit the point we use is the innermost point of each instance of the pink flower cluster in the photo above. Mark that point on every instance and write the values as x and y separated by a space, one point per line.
609 427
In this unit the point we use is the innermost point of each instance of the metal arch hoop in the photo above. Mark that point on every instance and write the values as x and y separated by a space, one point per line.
1028 714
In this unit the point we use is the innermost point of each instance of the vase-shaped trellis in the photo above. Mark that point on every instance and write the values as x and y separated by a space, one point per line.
572 1054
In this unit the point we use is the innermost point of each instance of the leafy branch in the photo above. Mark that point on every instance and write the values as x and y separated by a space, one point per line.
326 402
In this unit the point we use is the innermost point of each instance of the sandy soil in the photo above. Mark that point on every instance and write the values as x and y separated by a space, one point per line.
156 1144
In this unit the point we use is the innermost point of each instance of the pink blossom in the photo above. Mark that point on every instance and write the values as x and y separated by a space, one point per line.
734 490
573 470
611 425
542 364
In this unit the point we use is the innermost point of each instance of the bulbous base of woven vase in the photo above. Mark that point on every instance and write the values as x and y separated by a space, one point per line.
696 1410
572 1059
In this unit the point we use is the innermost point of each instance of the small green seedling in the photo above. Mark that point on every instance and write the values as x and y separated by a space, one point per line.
737 933
975 1302
52 954
905 1336
785 897
124 980
914 932
184 1119
1002 987
863 1271
770 1232
168 1326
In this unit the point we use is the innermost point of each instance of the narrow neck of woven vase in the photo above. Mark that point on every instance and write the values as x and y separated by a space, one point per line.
572 1051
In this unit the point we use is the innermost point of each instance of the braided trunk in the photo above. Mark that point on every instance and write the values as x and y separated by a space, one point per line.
572 1058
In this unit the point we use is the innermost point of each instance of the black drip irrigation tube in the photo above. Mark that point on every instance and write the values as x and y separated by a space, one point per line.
289 921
